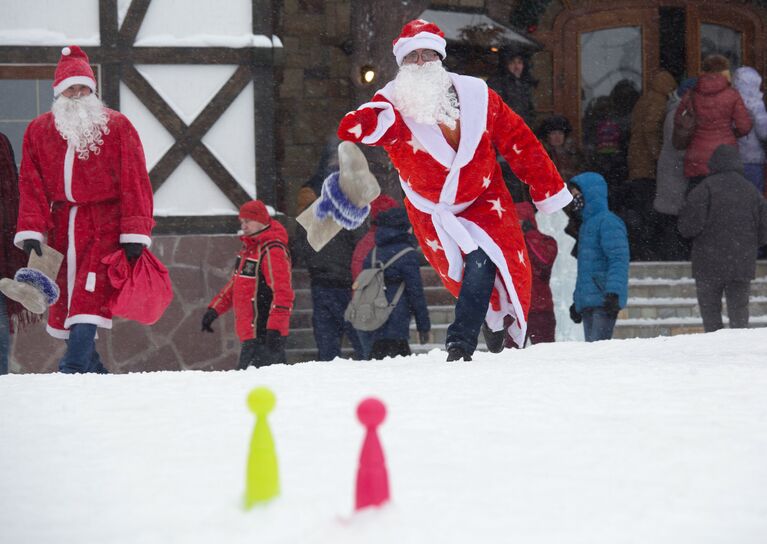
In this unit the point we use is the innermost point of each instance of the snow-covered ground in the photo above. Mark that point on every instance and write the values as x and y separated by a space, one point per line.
627 441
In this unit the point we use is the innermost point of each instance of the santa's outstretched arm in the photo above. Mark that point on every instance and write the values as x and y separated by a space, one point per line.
374 123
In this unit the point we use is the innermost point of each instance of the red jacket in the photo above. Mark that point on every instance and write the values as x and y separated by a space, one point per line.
720 118
542 251
260 289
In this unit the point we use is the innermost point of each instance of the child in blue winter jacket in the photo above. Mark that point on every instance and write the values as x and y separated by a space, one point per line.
393 234
601 287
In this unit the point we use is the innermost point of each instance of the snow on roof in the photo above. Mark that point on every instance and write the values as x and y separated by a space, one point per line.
41 36
209 40
453 23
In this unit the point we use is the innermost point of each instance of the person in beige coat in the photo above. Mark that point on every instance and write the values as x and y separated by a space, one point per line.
644 149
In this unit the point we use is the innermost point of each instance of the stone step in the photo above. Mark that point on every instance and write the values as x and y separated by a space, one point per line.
675 270
652 328
680 288
664 308
428 275
637 270
435 296
302 319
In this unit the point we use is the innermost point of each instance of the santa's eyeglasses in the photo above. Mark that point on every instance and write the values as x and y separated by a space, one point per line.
426 55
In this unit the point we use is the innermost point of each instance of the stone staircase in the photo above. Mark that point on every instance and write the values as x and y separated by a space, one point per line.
661 303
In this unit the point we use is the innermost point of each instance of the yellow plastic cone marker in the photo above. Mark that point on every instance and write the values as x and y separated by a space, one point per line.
262 478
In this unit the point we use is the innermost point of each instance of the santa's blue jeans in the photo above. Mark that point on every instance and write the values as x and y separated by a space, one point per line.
5 336
471 308
328 307
598 324
81 355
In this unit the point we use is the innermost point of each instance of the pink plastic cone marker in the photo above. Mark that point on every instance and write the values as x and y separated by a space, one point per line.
372 478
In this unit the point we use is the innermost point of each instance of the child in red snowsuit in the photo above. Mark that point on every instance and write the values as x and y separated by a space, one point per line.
260 289
542 250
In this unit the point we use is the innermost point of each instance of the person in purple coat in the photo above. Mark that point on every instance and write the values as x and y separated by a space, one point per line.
748 82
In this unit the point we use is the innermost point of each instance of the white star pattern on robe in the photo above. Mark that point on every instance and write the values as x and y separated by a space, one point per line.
497 207
548 194
415 144
434 245
356 130
486 182
521 255
516 149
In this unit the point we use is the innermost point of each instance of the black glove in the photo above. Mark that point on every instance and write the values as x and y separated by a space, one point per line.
574 315
423 337
208 319
32 245
612 304
132 250
527 225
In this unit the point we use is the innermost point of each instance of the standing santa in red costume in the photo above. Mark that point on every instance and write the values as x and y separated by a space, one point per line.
441 131
84 190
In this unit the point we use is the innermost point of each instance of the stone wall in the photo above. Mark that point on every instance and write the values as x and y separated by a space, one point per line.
313 87
199 266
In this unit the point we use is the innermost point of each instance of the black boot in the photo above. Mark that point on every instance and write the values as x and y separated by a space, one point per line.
456 353
494 340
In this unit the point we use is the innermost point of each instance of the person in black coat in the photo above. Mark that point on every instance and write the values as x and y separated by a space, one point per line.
726 218
514 83
329 272
393 234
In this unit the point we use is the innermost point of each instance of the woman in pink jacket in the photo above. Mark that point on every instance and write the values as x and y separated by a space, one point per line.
721 116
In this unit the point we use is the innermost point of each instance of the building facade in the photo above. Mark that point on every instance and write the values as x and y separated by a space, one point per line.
236 100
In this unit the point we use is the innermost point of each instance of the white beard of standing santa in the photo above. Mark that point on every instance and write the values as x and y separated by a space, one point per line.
425 93
81 121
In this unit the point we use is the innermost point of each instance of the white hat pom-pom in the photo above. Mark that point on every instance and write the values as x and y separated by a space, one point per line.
66 51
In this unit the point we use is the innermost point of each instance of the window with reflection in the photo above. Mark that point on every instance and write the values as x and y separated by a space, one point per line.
610 84
721 40
21 100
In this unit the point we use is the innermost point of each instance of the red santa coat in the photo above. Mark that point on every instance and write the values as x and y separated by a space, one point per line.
84 208
260 289
457 201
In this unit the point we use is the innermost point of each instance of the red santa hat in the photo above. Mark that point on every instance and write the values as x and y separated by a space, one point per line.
73 69
255 210
419 34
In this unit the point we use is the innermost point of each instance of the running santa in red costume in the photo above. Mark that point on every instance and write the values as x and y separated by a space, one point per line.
84 190
441 131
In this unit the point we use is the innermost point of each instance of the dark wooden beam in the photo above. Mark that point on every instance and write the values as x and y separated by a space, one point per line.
108 22
263 18
263 107
110 72
132 22
208 224
153 101
220 175
259 56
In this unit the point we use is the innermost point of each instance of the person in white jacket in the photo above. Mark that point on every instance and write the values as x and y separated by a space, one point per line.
748 82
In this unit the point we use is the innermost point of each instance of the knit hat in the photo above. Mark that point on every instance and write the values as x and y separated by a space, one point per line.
715 63
255 210
381 204
555 122
419 34
73 69
686 85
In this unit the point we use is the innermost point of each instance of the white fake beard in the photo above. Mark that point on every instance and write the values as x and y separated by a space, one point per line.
425 93
81 122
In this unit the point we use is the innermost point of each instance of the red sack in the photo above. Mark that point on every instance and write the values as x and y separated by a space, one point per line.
143 292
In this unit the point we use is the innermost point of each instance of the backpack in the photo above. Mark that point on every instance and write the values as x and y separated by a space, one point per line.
369 309
684 128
